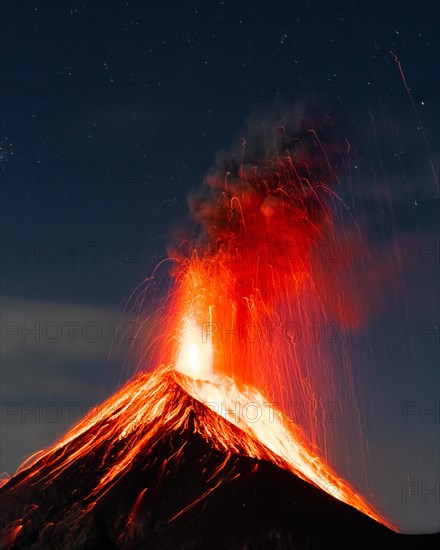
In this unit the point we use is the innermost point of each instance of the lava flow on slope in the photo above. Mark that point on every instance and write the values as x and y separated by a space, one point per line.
154 467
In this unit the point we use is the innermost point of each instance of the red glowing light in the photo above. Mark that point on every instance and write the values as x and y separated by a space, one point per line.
253 283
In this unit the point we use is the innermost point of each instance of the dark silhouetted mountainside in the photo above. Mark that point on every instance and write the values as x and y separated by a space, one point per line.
179 486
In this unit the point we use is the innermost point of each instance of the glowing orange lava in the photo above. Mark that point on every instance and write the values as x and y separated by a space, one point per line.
244 292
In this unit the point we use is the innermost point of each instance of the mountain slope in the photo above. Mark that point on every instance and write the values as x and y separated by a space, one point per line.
155 468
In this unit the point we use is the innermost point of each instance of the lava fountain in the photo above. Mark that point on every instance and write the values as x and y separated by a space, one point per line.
256 288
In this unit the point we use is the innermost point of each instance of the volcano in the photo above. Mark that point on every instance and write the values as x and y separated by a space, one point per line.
155 467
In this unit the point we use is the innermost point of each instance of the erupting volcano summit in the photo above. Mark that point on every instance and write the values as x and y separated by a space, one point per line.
201 452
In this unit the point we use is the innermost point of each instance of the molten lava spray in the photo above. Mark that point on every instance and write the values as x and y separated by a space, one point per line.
261 292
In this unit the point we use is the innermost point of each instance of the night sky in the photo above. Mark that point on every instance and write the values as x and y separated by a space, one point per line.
112 113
